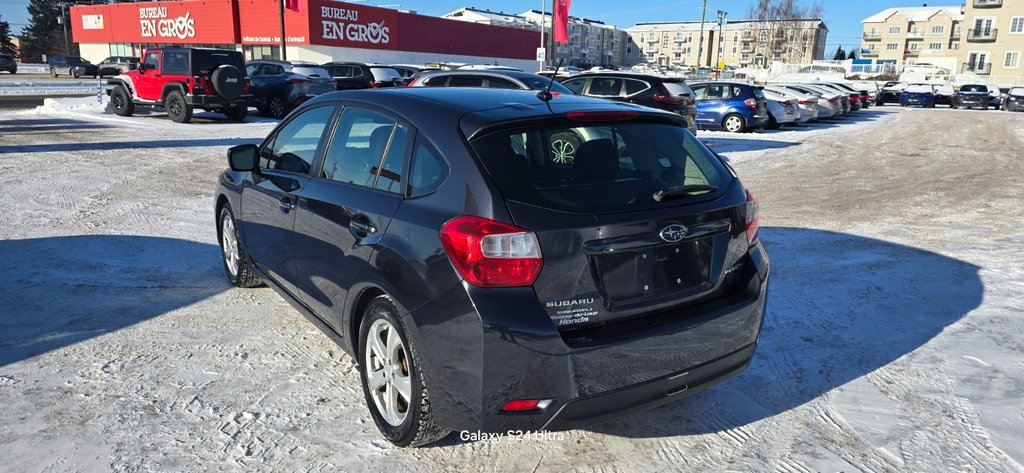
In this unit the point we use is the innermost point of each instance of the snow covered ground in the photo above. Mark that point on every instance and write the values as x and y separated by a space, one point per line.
893 341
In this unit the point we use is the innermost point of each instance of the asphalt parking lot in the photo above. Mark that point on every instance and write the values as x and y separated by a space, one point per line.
892 343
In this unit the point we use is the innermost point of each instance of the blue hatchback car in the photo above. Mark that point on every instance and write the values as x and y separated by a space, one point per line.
734 106
918 94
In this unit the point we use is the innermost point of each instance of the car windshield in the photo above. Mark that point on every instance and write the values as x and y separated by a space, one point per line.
1019 91
974 88
541 83
385 74
204 62
75 59
598 168
919 88
311 71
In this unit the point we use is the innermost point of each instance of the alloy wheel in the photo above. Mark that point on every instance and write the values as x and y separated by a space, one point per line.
387 372
229 244
277 107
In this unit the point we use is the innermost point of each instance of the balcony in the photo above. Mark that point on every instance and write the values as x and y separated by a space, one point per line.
978 68
869 53
981 35
988 3
915 35
747 48
911 52
872 36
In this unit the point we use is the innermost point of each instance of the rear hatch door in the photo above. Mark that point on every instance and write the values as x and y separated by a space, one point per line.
612 250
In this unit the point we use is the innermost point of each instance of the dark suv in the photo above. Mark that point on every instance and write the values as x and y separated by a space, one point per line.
972 95
357 75
180 80
484 276
7 63
666 93
73 66
280 86
495 79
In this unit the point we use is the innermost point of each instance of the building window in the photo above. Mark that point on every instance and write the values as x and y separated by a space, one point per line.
957 31
1017 25
122 49
934 46
254 52
894 30
913 46
955 46
1011 60
892 46
874 30
938 29
871 47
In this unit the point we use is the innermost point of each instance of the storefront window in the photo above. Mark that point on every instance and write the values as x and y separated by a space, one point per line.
122 49
254 52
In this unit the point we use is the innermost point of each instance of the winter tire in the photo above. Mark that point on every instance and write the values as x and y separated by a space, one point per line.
53 73
179 111
236 113
392 382
121 101
276 107
236 266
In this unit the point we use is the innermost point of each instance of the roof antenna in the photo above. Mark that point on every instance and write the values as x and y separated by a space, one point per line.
545 94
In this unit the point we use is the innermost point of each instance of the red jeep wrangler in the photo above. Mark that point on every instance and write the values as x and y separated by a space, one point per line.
180 80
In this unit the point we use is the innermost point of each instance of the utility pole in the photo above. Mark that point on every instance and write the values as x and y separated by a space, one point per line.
700 47
284 52
64 28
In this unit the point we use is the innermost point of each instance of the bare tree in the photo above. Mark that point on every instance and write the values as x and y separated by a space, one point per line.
779 27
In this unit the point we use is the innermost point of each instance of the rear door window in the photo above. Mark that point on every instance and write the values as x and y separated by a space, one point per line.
634 86
294 146
497 83
605 87
359 143
465 81
716 92
175 62
599 168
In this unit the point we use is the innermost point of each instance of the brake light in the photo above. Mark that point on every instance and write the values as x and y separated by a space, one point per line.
246 89
833 100
864 96
600 116
519 405
489 253
854 98
805 102
751 103
667 99
297 80
753 218
201 85
413 81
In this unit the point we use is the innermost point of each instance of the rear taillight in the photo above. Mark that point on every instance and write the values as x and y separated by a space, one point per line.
753 218
805 102
865 97
413 81
833 100
489 253
202 86
854 98
520 405
667 99
298 80
751 103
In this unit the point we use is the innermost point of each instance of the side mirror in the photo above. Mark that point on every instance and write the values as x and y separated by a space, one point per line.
243 158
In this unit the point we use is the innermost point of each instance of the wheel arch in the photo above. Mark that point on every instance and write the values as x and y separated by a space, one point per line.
168 87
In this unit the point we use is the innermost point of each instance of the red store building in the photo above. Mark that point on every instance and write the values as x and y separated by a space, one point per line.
315 30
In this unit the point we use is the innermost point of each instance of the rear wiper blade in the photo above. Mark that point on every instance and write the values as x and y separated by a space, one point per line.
677 191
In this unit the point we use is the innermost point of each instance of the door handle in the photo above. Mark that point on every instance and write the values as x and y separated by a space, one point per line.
287 203
361 227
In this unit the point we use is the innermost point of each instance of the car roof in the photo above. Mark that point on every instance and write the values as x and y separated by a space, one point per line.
483 72
629 75
488 106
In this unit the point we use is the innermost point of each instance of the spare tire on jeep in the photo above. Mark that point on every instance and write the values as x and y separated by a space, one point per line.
228 81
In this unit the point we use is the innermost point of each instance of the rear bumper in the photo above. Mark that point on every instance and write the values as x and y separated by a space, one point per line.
213 101
484 347
1015 106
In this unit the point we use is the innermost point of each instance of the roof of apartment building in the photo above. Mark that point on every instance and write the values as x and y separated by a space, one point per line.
713 25
915 13
490 15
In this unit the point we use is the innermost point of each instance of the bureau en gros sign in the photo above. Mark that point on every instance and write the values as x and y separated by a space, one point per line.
155 24
343 24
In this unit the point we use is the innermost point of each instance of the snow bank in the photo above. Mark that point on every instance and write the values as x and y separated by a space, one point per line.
75 104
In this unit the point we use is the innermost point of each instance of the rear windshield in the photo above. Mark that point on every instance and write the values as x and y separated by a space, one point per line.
974 88
385 74
205 62
677 89
597 168
919 88
311 71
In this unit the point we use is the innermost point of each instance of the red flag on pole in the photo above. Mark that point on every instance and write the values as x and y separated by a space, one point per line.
560 21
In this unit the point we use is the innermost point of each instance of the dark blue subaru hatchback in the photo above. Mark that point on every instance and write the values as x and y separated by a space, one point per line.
496 262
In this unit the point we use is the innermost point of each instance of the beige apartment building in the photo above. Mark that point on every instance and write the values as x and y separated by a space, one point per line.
914 35
743 43
993 40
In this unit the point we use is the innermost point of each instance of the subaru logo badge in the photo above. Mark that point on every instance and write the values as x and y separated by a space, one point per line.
673 233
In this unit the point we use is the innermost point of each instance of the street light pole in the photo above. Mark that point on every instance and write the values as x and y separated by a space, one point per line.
700 47
284 52
542 46
721 40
